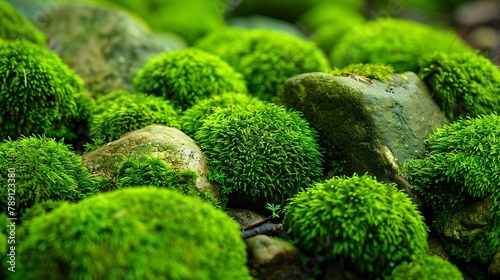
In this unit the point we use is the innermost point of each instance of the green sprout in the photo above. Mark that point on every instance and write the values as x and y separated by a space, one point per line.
274 209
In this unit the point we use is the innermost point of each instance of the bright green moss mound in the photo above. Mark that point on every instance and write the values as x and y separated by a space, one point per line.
396 42
127 112
37 92
186 76
265 58
261 152
43 169
429 268
192 119
357 221
333 14
463 84
14 26
372 71
153 171
133 233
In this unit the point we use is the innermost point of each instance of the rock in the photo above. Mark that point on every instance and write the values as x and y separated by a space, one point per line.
436 248
371 127
244 217
273 259
484 38
494 268
104 46
173 146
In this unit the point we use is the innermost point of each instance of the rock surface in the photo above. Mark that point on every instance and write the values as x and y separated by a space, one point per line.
104 46
173 146
370 127
245 218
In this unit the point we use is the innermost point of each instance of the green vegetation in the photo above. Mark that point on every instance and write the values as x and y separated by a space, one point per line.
265 58
357 222
429 268
139 233
463 84
14 26
372 71
261 153
187 76
43 169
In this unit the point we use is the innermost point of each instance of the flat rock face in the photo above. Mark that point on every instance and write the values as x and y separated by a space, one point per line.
173 146
371 127
245 218
104 46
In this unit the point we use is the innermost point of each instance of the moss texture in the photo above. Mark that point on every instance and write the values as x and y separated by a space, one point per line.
429 268
192 119
395 42
14 26
38 92
44 169
262 152
463 84
187 76
265 58
357 221
373 71
140 233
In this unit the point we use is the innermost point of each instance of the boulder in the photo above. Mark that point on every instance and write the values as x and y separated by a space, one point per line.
173 146
245 218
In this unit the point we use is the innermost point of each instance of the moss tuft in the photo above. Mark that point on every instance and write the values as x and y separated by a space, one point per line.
429 268
14 26
372 71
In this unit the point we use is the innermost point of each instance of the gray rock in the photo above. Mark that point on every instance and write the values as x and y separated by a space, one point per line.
173 146
244 217
273 259
371 127
105 46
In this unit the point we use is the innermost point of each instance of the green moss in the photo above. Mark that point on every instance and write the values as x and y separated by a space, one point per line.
14 26
261 152
372 71
122 112
139 233
43 169
192 119
265 58
429 268
333 14
395 42
463 84
186 76
153 171
42 208
38 92
357 222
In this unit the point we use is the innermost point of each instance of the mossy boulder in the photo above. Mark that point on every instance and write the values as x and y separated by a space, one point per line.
174 147
369 127
14 26
140 233
105 46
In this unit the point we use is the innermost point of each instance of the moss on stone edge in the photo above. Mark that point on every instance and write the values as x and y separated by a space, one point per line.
187 76
14 26
429 268
357 222
140 233
372 71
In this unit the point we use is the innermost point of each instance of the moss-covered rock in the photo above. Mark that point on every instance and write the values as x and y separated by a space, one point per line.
41 169
367 127
143 233
395 42
14 26
265 58
463 84
187 76
192 119
357 222
382 73
261 153
429 267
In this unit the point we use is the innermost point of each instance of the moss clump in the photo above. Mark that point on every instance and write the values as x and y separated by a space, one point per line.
261 152
37 92
265 58
372 71
429 268
331 13
14 26
463 84
42 208
357 222
43 169
396 42
186 76
153 171
192 119
139 233
127 112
